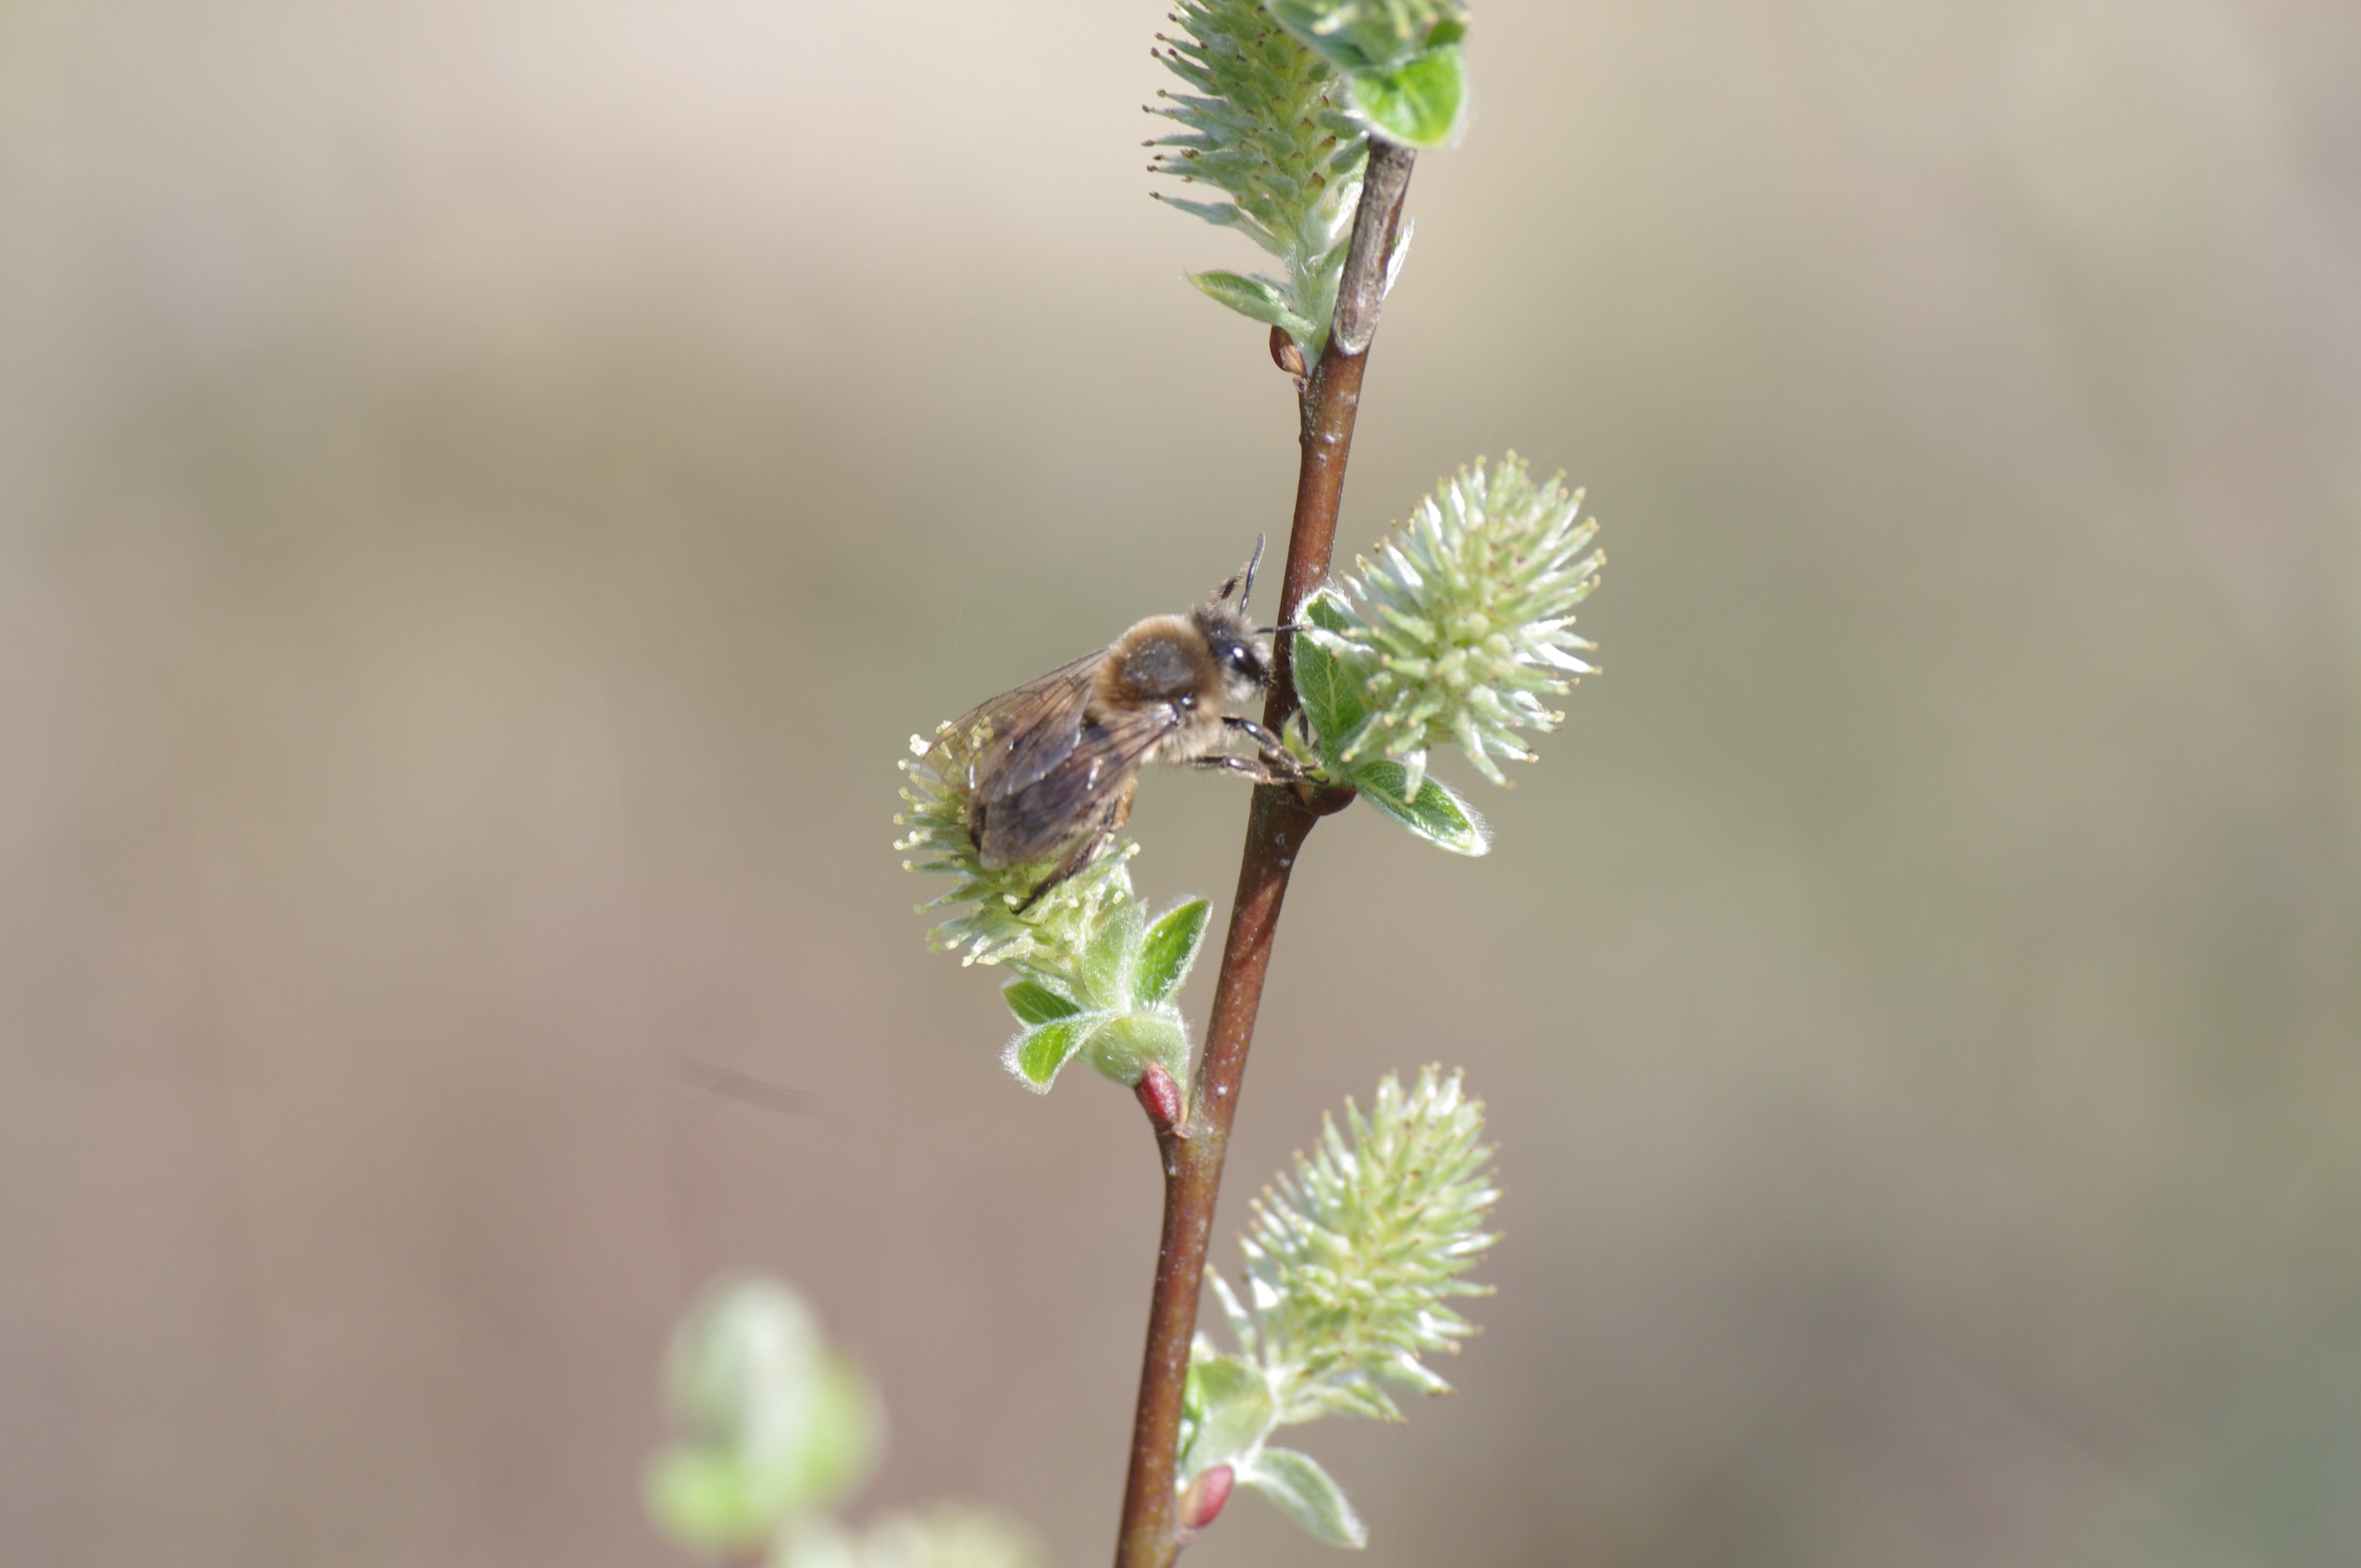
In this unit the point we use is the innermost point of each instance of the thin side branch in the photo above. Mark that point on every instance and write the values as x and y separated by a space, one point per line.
1279 821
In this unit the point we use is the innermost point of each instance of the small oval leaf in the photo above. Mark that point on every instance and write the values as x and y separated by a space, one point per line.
1034 1002
1035 1055
1256 297
1438 815
1417 103
1371 37
1124 1047
1111 959
1332 698
1230 1400
1305 1494
1170 952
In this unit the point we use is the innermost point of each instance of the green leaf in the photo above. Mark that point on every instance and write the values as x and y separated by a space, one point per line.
1438 815
1036 1054
1108 961
1331 697
1371 34
1305 1494
1230 1399
942 1536
1034 1002
1257 298
1418 104
1170 952
709 1500
785 1427
1126 1047
1326 609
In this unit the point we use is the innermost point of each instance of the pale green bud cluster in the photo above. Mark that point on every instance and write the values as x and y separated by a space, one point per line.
777 1428
1096 975
1264 123
1351 1259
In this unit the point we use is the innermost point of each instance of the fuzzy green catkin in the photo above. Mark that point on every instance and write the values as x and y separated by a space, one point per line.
1351 1255
1464 618
1264 122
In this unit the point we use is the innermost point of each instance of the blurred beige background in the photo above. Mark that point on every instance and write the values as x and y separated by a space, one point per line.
486 486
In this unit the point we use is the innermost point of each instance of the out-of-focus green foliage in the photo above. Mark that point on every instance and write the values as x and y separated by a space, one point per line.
774 1424
941 1536
776 1430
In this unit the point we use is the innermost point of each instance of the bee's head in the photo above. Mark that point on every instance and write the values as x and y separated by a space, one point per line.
1238 654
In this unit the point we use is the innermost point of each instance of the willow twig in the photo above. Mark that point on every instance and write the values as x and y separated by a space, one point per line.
1279 821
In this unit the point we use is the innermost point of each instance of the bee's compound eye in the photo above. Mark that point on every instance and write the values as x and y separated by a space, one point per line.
1242 658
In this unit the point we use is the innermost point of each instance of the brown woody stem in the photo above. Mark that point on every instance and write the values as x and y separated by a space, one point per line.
1278 822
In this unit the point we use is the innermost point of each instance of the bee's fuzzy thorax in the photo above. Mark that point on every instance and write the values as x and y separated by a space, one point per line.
1162 659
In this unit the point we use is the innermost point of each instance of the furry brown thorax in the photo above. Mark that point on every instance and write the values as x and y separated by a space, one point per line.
1201 665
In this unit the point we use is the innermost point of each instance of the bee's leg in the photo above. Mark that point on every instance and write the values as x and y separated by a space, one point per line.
1275 755
1119 810
1260 772
1252 731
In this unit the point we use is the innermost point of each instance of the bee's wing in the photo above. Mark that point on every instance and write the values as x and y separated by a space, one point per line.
1075 794
1005 744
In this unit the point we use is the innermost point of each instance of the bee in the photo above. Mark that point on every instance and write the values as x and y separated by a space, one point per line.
1053 765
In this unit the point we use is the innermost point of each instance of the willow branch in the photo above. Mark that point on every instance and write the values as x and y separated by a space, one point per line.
1279 821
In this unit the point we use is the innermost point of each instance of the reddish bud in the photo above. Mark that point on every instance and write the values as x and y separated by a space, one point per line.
1286 353
1201 1505
1160 1098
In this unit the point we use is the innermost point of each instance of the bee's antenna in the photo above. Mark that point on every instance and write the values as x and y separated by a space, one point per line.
1252 561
